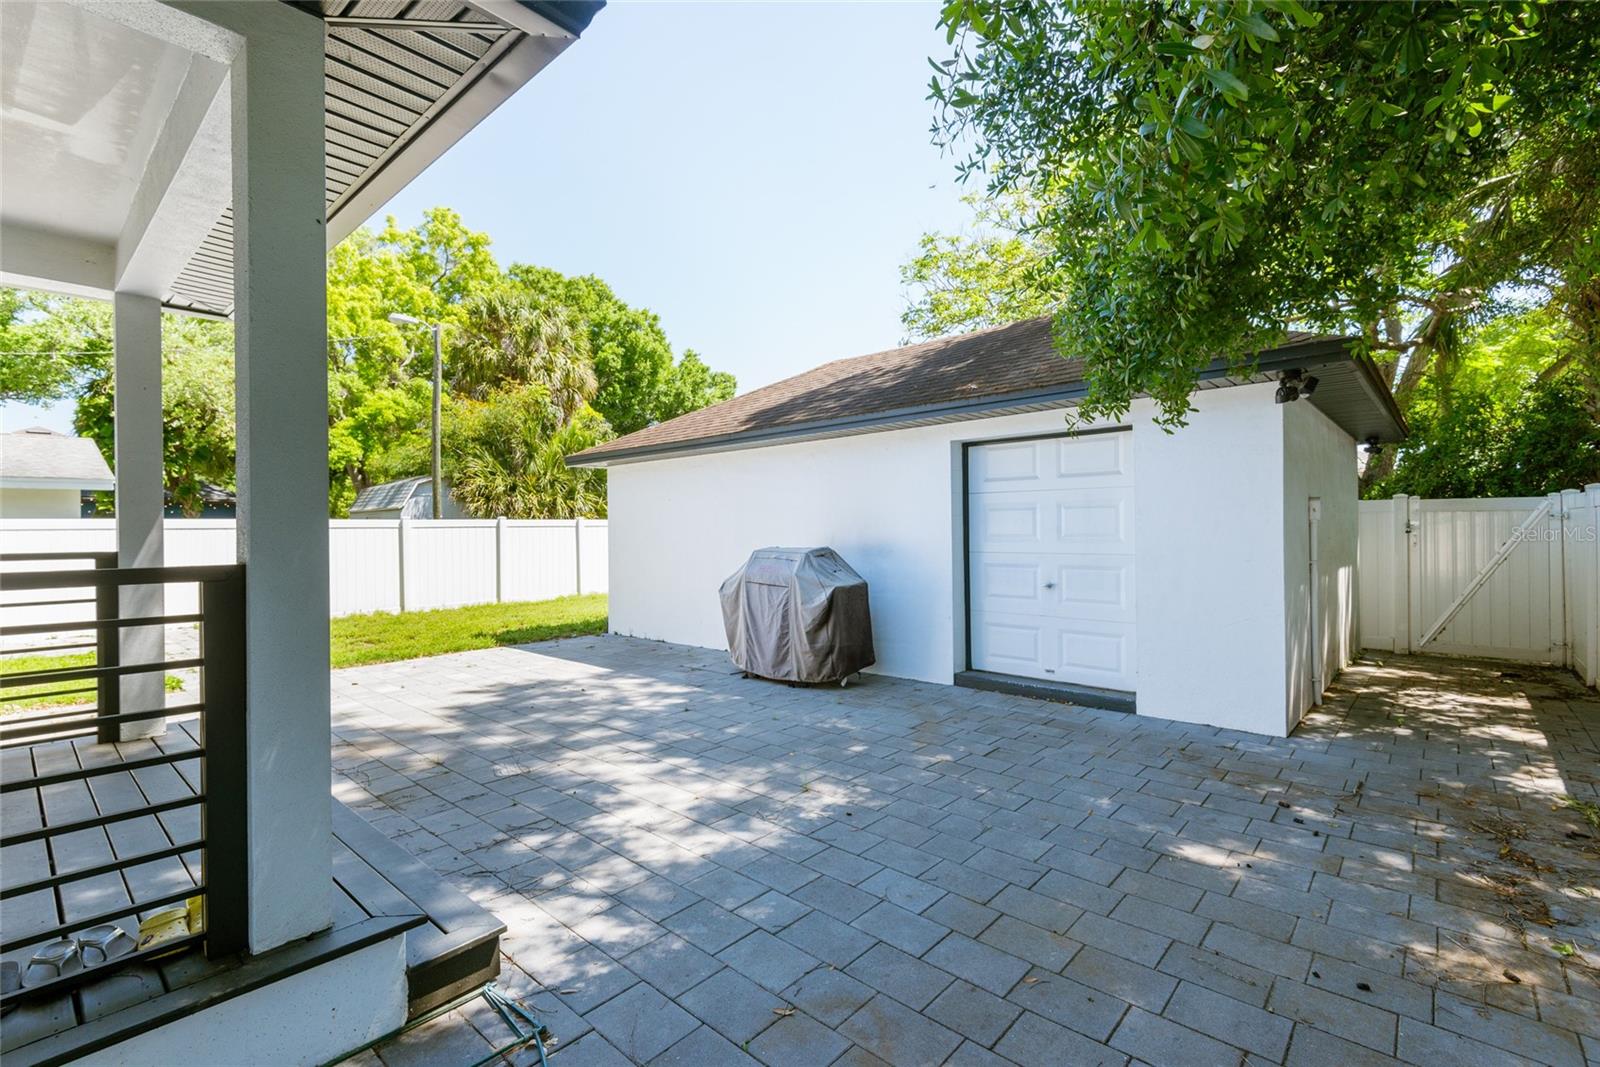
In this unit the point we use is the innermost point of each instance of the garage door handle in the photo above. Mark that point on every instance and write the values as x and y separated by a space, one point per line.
1049 585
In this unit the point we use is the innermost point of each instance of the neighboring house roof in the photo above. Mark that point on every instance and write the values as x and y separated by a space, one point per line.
1001 370
389 495
37 458
411 497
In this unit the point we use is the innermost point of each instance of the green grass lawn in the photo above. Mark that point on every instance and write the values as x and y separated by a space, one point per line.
49 694
384 636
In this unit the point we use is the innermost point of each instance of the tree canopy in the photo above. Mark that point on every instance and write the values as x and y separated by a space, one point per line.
562 360
1206 176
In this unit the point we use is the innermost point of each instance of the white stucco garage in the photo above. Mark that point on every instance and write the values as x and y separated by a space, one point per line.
1118 565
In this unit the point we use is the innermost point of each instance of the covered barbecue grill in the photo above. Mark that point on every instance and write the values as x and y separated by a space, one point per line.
798 615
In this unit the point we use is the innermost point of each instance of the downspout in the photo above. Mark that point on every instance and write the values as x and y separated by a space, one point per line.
1314 514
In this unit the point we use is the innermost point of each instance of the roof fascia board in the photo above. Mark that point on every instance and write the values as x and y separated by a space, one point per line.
13 482
523 17
1308 353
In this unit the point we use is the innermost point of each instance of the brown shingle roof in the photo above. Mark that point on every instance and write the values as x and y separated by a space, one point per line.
1015 360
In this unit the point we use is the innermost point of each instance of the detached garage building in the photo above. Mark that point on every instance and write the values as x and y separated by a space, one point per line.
1206 575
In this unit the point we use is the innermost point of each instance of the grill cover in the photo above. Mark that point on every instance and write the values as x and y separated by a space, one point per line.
798 615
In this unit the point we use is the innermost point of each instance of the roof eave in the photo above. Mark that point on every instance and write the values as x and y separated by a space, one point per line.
98 484
1313 353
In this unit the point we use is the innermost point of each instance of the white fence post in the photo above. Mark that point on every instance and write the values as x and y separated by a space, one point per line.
1401 547
577 554
401 557
500 560
1591 593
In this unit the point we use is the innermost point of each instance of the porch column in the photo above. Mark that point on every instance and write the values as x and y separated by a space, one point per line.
136 327
280 317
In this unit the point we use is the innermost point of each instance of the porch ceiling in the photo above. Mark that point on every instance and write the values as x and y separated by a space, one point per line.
397 97
99 100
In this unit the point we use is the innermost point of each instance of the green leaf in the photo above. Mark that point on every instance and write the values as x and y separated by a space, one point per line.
1228 83
1257 26
1194 127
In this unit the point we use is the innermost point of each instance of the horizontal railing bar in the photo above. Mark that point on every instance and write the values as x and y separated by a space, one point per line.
95 772
109 557
109 576
103 868
73 674
44 724
94 624
50 603
52 694
43 650
100 820
58 986
104 917
61 733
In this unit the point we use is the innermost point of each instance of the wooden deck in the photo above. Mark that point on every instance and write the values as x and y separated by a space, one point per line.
452 944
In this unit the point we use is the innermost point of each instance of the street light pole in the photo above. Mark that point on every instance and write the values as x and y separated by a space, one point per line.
438 393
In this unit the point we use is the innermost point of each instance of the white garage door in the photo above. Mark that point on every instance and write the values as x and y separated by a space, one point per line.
1050 547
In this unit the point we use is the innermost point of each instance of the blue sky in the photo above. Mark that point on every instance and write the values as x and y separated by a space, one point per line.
753 173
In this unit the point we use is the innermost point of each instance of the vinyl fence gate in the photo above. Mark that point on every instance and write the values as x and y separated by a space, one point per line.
1513 578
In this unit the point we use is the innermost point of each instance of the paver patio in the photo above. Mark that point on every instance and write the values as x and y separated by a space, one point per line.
702 869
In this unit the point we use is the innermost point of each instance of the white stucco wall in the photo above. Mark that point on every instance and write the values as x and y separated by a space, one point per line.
1319 462
1211 589
890 503
40 503
1208 508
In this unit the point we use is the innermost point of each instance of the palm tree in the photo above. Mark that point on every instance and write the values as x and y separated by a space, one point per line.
509 338
512 452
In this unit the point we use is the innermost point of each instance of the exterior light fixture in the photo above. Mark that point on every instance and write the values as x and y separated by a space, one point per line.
1294 384
1372 445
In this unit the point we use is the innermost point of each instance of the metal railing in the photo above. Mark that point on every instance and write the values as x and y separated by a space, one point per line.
222 884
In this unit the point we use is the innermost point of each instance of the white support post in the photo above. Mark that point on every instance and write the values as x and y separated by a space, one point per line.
136 325
500 559
282 395
577 554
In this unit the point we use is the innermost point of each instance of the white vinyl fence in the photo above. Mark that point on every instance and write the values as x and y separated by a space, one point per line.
1514 578
374 565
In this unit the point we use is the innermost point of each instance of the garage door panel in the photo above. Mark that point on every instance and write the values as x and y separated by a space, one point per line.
1083 651
1052 521
1061 587
1051 559
1101 518
1090 461
1010 465
1010 644
1100 459
1009 584
1095 587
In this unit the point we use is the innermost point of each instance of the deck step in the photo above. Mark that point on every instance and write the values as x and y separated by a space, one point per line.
456 951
